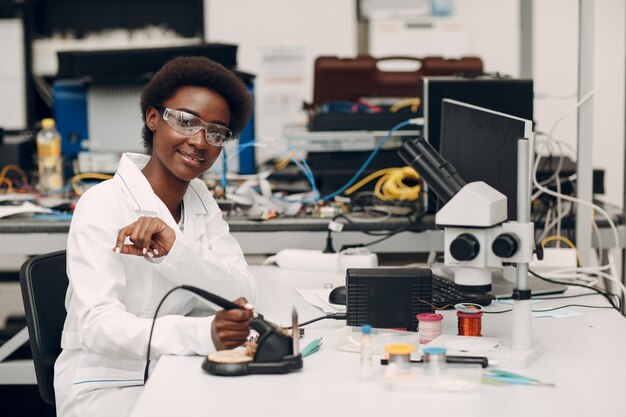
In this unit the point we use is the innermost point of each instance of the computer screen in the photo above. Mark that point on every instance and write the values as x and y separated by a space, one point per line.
507 95
482 145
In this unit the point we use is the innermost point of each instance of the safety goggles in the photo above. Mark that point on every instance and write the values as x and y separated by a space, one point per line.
188 125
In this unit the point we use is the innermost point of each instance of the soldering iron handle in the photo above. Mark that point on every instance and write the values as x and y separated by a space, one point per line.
261 325
479 360
215 299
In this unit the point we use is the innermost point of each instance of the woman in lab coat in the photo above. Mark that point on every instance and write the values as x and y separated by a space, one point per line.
153 227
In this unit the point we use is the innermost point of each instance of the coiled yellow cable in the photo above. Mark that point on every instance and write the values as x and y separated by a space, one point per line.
414 102
391 184
87 175
567 242
9 184
20 172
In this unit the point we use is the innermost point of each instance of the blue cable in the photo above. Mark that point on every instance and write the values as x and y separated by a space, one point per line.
367 162
304 166
224 165
361 169
306 169
346 107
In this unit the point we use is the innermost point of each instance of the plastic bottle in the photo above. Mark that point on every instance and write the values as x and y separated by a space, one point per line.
49 158
367 370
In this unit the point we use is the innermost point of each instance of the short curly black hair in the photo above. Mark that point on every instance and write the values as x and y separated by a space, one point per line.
197 71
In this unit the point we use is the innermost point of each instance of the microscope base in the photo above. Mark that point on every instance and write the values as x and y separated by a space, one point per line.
499 351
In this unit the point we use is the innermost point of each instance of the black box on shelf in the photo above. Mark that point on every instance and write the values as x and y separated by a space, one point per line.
18 148
338 121
131 64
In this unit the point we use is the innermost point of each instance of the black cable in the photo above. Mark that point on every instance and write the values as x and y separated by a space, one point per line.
564 296
145 372
547 309
604 294
552 298
364 200
329 243
568 305
206 295
373 242
335 316
385 234
572 296
497 312
359 228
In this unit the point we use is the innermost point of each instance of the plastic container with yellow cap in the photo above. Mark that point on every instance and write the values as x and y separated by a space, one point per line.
399 359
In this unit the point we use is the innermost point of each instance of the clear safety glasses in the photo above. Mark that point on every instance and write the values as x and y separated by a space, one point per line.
188 125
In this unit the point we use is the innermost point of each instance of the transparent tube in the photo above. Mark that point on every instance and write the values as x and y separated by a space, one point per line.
367 369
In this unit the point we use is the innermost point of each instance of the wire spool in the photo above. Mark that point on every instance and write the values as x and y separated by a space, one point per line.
469 319
429 326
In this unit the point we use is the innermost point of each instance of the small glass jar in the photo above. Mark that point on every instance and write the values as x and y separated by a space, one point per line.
435 360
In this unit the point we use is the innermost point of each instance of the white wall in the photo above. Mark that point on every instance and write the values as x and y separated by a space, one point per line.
278 41
485 28
555 69
493 30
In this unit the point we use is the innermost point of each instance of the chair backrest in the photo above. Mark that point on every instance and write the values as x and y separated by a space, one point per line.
44 282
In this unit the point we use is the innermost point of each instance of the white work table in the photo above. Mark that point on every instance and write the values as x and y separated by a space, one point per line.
583 355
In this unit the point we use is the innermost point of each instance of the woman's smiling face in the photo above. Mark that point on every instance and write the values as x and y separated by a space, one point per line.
187 157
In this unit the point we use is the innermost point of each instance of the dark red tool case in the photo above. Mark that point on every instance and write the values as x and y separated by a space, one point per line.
341 85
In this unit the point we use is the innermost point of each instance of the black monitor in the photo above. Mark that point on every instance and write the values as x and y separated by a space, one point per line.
507 95
482 145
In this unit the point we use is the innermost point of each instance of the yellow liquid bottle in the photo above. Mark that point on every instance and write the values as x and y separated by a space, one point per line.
50 161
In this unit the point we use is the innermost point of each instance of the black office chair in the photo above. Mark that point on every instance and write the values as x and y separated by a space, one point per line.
44 282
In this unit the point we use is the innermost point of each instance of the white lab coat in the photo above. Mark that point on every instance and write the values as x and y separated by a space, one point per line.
112 297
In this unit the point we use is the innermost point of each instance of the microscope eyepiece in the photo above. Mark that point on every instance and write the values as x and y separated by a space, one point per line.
438 173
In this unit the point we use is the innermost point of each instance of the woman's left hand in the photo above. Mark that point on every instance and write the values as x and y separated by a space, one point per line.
149 236
231 328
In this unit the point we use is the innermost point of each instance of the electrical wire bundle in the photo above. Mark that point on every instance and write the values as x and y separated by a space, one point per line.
14 185
589 275
391 185
358 220
301 163
76 179
350 107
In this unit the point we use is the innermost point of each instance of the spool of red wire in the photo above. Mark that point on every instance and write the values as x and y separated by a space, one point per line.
429 326
469 319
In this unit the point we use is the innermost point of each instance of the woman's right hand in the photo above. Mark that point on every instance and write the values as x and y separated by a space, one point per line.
231 328
149 236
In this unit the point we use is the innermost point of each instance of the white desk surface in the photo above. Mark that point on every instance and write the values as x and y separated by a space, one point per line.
584 355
